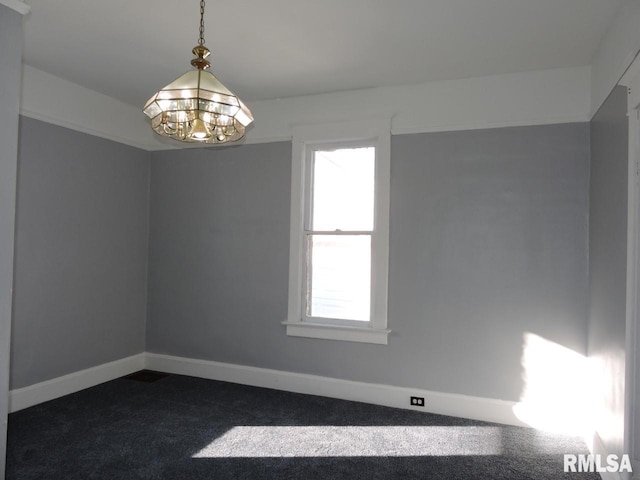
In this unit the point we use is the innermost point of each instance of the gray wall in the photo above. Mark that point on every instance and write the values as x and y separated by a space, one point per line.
488 243
81 252
10 73
608 261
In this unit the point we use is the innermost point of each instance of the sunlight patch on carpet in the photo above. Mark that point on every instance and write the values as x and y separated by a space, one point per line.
353 441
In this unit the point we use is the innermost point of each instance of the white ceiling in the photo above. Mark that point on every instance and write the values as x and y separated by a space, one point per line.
265 49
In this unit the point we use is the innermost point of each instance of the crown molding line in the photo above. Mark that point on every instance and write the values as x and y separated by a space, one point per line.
17 5
57 101
78 127
530 98
631 80
616 52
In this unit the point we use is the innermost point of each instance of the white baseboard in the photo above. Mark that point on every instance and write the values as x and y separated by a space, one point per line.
477 408
597 447
57 387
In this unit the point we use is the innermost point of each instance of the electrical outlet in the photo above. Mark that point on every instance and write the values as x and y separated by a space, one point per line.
417 401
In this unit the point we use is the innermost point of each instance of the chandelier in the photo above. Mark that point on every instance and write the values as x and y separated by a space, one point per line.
197 107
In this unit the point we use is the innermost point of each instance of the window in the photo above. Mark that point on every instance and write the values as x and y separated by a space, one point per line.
339 254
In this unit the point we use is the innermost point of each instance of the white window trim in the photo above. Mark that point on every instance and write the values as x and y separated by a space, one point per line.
375 132
631 80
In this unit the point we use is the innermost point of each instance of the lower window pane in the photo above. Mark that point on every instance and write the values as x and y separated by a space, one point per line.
339 276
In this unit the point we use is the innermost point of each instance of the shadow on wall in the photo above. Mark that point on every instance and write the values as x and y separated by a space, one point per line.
556 393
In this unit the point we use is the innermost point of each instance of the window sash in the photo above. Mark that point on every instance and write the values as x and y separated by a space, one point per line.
308 169
365 189
307 291
308 231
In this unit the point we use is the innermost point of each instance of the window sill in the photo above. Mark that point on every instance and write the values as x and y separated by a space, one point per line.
337 332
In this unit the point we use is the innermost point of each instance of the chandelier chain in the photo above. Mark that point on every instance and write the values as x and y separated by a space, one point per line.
201 39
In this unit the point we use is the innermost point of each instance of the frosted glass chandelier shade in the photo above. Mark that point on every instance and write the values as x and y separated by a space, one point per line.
197 107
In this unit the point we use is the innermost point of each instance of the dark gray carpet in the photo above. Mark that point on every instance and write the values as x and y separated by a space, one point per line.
187 428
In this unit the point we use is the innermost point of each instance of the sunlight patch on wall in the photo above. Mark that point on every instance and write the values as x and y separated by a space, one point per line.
353 441
608 384
556 387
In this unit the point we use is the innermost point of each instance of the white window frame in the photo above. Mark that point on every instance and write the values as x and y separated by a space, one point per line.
631 80
306 140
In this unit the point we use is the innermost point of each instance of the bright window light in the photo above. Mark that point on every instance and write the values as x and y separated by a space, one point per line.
343 189
339 262
340 276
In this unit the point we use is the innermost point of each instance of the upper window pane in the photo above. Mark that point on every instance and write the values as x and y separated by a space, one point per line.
343 189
